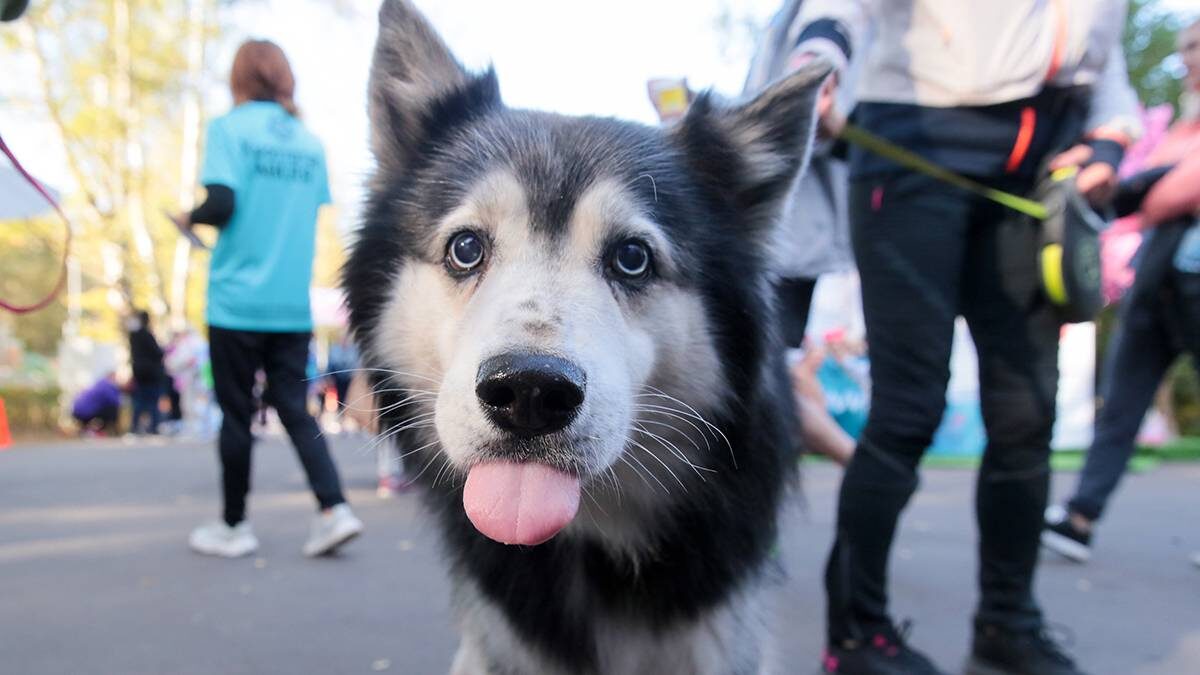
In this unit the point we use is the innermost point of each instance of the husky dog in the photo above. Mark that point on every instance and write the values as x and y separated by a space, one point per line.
570 323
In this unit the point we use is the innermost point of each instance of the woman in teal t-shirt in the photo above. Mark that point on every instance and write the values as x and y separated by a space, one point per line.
266 180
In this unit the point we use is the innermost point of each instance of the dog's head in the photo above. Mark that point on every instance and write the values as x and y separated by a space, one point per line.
562 301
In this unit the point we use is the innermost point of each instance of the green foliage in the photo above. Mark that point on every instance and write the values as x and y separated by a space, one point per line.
1184 383
31 257
108 76
31 412
1154 68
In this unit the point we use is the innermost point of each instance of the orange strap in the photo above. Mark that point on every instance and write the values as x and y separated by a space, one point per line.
1024 139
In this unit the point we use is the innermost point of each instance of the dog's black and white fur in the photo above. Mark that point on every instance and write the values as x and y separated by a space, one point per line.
683 443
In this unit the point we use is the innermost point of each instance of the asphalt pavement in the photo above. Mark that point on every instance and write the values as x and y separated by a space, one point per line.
96 577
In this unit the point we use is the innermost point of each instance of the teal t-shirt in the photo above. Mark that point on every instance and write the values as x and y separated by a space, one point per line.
261 267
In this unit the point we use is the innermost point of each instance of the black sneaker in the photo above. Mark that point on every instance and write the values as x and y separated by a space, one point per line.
998 651
884 653
1062 537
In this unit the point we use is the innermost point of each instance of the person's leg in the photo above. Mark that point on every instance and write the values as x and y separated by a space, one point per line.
176 413
1016 333
137 404
908 240
154 396
108 419
236 356
285 360
819 432
1137 358
794 295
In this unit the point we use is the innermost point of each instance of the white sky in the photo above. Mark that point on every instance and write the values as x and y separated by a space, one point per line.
571 57
563 55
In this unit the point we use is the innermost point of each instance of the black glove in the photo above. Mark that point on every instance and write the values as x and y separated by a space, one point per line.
1132 190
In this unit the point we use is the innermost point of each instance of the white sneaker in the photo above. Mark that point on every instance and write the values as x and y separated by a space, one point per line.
331 530
222 540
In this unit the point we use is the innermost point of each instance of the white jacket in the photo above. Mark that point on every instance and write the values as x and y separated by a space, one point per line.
949 53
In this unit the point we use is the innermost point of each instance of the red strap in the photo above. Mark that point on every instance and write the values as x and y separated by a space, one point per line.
1024 139
62 273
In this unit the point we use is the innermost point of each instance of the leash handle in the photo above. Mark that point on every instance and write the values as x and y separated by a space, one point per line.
62 272
908 159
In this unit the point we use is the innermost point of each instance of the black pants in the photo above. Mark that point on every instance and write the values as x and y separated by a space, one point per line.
145 399
927 253
1156 325
104 420
236 358
794 295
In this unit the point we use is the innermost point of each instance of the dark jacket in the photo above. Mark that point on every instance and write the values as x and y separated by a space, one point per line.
147 358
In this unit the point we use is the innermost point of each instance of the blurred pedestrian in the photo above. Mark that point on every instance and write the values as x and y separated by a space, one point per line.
1159 317
995 91
98 407
149 375
187 364
266 180
813 238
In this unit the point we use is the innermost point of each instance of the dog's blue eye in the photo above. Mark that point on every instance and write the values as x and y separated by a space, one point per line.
465 251
631 259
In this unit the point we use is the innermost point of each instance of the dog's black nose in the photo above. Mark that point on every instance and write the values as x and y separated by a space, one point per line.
530 394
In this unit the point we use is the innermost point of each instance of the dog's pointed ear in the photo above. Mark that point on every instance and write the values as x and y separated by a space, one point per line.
418 85
751 152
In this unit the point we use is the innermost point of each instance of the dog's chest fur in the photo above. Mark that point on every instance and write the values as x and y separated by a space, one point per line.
724 642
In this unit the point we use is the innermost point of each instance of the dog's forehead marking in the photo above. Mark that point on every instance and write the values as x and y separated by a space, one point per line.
497 202
607 205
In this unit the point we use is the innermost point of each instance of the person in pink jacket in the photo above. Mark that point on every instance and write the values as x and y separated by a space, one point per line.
1160 316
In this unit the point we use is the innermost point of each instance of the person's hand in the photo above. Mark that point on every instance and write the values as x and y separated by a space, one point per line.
830 122
805 383
1097 181
360 404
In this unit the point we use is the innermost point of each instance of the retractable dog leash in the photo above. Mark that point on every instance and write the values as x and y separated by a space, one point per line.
1069 255
62 272
911 160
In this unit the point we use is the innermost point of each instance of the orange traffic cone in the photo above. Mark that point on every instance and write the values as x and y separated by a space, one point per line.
5 436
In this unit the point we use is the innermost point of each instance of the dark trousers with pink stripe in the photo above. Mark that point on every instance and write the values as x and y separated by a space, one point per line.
928 253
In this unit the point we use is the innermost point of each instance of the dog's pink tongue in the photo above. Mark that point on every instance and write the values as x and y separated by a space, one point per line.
520 503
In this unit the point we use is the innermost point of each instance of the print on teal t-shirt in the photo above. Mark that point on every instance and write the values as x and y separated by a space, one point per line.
261 267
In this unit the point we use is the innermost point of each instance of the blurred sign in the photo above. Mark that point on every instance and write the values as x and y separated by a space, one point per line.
670 97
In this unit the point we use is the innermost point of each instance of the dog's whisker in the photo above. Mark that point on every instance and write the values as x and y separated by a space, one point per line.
658 393
635 471
379 441
658 459
675 451
672 427
421 421
427 465
411 400
438 476
347 408
645 472
675 414
400 458
387 371
610 476
406 390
